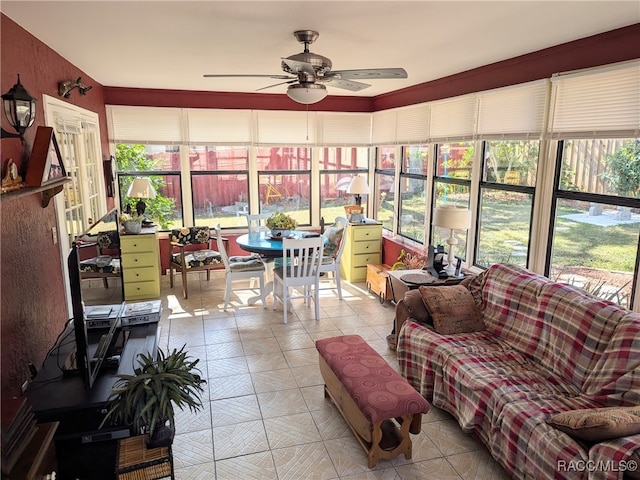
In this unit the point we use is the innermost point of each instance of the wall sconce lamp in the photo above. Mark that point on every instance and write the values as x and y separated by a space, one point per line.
358 187
20 109
65 88
141 188
453 218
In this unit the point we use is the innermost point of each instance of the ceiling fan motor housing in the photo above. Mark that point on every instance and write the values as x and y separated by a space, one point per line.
321 65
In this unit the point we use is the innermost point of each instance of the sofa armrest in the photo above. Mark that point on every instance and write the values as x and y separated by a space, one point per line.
411 306
621 453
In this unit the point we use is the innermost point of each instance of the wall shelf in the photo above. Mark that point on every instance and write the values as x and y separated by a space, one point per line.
48 191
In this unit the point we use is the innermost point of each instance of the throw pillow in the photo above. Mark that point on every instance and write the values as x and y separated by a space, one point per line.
452 309
597 424
334 235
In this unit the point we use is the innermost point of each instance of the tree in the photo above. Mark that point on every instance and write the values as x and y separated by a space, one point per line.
623 170
134 158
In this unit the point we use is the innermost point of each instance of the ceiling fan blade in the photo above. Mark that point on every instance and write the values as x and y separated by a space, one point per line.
345 84
277 77
297 66
279 83
370 73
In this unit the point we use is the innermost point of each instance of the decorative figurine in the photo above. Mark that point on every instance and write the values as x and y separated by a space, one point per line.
12 179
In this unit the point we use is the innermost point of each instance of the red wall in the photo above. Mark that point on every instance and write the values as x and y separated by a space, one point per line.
31 285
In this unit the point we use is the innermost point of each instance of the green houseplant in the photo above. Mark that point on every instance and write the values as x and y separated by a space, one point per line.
281 224
145 400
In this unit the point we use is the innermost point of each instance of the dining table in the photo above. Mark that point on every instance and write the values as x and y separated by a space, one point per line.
263 243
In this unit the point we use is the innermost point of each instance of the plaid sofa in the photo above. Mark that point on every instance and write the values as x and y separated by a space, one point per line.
546 348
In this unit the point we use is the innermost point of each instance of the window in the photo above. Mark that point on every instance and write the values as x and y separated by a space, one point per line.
506 202
220 185
413 199
596 224
452 184
162 165
338 165
385 194
284 177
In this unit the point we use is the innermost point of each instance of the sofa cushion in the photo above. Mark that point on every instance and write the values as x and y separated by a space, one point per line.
597 424
452 308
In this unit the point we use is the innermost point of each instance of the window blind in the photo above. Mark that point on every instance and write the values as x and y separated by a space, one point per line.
344 129
412 125
219 127
598 102
285 128
453 118
145 125
516 111
384 127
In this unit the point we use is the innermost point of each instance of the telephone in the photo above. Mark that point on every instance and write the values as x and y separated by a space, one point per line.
435 261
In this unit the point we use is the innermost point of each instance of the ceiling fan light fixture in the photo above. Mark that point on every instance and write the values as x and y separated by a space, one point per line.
306 93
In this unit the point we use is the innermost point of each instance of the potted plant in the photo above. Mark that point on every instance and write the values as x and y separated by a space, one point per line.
145 400
281 225
132 222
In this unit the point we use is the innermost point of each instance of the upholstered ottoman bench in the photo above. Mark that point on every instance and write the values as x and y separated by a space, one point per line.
379 405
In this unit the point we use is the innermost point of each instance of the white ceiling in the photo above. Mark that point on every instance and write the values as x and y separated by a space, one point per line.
171 44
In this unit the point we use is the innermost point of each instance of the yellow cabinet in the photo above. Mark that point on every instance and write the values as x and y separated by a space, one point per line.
364 246
140 265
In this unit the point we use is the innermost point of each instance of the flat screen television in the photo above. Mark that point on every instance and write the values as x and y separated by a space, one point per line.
92 348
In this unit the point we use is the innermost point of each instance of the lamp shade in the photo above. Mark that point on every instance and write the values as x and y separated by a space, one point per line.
307 93
141 188
450 216
358 186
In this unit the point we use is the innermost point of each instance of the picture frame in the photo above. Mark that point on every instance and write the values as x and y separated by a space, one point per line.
45 162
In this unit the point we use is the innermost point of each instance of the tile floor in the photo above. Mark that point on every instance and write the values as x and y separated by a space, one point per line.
265 415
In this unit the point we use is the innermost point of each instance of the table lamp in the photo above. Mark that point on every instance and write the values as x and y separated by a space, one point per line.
453 218
141 189
358 187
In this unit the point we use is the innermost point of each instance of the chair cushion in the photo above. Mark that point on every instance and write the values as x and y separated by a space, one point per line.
334 236
279 272
97 265
452 309
190 235
108 240
198 258
246 263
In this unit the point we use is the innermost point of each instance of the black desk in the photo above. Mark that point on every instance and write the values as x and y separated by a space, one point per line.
83 451
399 286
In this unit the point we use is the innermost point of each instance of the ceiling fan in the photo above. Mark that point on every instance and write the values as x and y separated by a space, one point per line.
311 72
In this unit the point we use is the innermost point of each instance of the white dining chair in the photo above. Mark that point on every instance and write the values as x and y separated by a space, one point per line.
241 267
336 241
300 270
257 222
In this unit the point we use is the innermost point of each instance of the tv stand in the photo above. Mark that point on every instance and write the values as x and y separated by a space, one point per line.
84 450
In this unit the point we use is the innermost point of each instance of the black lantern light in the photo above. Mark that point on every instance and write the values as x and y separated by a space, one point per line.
20 110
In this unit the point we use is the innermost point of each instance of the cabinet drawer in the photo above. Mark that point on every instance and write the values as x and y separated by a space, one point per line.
142 259
366 233
137 290
140 274
142 243
371 246
361 261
